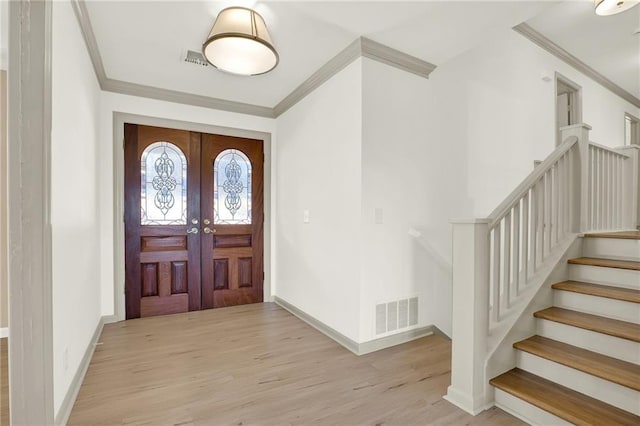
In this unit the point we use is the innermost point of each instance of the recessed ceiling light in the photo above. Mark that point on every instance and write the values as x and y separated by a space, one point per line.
611 7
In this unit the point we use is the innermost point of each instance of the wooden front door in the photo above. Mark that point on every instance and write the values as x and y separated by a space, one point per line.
193 221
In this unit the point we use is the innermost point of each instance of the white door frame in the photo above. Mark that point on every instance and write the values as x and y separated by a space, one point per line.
576 104
29 215
635 128
119 118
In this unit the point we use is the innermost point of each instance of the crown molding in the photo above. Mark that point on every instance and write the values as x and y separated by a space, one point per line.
82 14
395 58
134 89
361 47
536 37
324 73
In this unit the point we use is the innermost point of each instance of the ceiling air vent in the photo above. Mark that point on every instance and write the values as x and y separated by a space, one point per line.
196 58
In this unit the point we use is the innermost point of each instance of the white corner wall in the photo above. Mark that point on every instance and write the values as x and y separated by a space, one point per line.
111 103
75 213
318 169
405 173
493 103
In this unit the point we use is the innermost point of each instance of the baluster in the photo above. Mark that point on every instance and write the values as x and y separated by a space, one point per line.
535 224
506 279
609 190
592 188
525 236
601 189
495 285
546 214
516 249
556 202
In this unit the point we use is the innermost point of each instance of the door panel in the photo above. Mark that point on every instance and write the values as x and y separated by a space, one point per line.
162 260
171 197
232 253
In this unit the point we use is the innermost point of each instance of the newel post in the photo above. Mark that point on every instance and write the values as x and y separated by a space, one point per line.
580 200
631 185
470 315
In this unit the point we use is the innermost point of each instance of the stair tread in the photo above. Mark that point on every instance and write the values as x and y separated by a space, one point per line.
612 327
623 235
610 292
560 401
606 263
608 368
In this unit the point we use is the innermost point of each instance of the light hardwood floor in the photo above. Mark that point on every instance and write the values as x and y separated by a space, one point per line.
259 365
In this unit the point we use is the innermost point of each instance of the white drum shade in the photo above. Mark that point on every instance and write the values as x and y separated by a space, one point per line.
239 43
611 7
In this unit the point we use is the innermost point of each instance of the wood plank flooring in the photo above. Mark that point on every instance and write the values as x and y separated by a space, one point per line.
612 327
259 365
561 401
606 263
610 292
624 235
607 368
4 382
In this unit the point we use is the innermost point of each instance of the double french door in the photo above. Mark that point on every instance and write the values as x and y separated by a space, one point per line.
193 221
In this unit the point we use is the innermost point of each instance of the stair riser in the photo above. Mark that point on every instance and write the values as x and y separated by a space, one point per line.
611 248
615 347
610 276
595 387
525 411
618 309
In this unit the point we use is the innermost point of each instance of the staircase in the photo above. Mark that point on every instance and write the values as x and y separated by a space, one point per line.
583 365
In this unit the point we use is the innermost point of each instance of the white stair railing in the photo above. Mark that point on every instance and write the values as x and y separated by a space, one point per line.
580 187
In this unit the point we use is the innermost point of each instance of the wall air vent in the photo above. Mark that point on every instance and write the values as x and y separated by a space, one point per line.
194 57
396 315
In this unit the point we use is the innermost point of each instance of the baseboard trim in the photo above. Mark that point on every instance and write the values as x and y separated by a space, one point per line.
355 347
318 325
394 340
4 332
471 405
72 393
108 319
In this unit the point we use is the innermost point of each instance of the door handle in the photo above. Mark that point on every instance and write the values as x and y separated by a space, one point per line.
208 230
193 230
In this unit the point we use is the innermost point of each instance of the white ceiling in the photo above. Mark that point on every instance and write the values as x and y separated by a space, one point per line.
144 42
606 43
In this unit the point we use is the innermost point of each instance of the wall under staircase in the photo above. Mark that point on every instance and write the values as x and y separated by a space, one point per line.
546 299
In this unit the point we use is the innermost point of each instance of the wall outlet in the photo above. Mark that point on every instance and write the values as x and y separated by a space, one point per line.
378 214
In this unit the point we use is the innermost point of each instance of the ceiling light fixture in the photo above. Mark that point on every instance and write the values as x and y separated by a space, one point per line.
239 43
611 7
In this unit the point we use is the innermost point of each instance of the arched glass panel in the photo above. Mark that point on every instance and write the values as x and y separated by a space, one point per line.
163 197
232 188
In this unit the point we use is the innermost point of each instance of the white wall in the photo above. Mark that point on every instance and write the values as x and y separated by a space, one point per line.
405 173
449 147
493 102
113 102
75 214
318 169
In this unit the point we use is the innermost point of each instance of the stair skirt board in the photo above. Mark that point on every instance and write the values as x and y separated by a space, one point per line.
608 248
613 394
609 276
611 308
614 347
526 412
